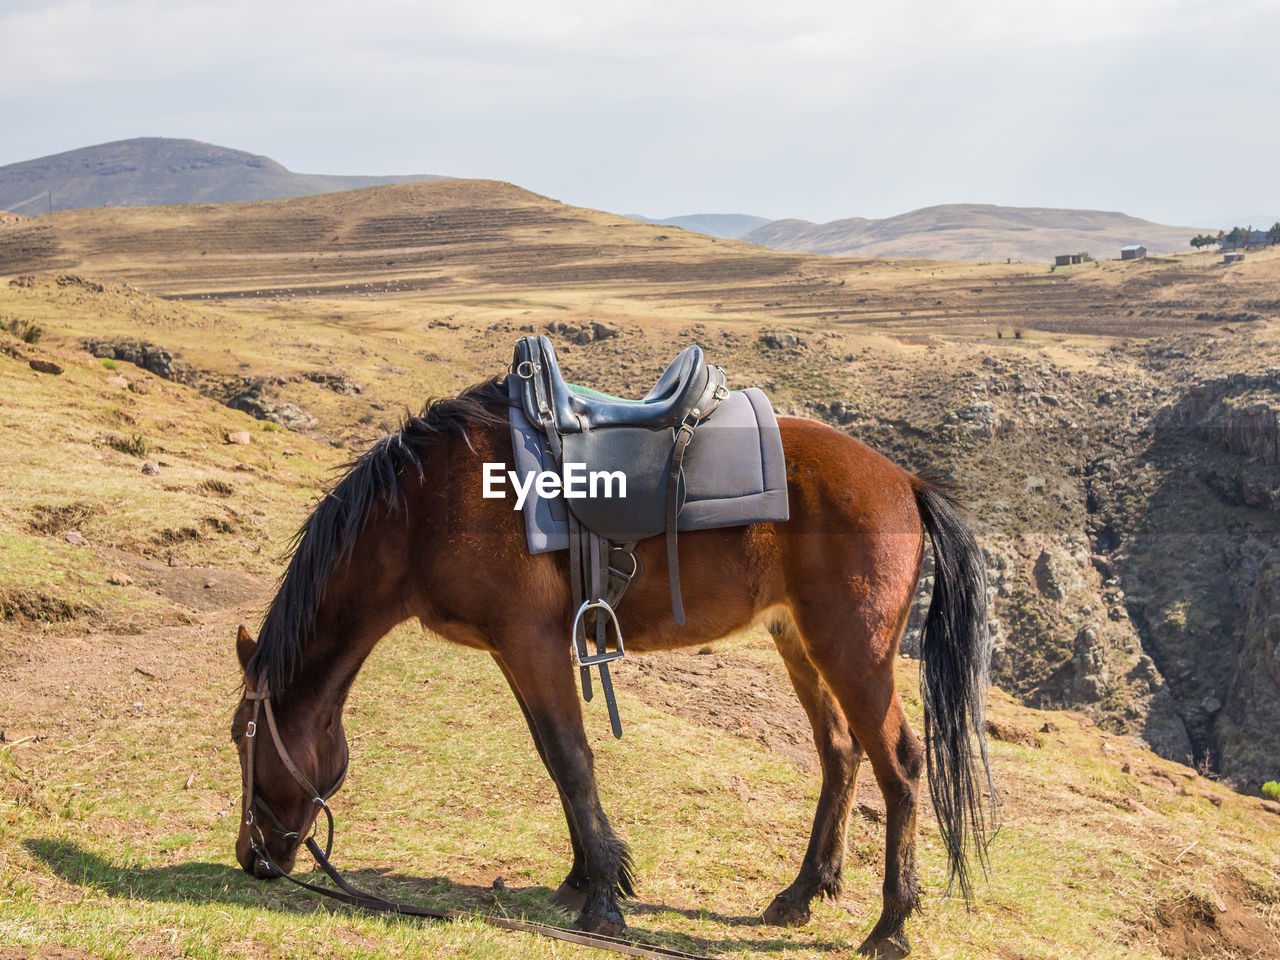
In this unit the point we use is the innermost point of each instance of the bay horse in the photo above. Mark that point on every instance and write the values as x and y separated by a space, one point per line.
406 533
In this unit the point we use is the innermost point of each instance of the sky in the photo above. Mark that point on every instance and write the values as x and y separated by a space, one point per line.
821 110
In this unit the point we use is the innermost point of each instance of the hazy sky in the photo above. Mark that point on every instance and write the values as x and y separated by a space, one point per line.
808 108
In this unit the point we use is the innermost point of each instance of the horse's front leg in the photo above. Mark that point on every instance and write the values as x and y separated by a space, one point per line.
572 893
538 666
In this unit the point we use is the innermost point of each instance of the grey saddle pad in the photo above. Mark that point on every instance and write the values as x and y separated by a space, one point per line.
734 474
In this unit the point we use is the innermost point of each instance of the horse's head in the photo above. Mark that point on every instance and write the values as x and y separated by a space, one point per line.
293 757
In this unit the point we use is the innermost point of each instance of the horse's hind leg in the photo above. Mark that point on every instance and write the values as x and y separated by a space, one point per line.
538 666
854 643
572 893
840 755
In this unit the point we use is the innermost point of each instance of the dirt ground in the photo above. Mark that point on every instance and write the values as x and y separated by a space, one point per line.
141 665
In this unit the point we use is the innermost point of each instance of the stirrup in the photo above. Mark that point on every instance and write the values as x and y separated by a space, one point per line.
609 655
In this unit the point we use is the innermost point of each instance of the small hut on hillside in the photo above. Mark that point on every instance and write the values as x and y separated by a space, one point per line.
1134 251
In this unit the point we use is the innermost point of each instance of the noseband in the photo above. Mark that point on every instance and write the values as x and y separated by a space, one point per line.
257 840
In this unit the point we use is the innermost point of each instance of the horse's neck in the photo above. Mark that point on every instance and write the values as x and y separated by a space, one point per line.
325 674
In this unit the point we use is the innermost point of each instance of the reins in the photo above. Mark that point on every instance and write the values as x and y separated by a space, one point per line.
361 899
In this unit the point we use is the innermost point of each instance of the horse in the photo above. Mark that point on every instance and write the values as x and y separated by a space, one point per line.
406 533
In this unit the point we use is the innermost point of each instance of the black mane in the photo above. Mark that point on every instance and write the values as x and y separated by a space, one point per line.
328 536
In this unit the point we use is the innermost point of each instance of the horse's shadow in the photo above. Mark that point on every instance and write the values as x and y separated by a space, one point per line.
203 882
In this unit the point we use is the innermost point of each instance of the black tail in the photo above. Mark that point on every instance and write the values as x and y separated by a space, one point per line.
956 652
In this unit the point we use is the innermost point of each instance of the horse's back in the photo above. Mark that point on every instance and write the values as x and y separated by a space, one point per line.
838 483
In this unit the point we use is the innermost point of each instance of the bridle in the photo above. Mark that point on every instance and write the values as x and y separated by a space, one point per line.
257 840
368 901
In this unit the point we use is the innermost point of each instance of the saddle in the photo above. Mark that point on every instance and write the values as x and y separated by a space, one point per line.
645 441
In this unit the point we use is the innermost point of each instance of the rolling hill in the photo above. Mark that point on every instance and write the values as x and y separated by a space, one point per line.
728 226
444 236
975 231
157 170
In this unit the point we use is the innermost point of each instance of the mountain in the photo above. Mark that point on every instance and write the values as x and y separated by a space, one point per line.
730 226
1258 221
400 236
150 171
975 231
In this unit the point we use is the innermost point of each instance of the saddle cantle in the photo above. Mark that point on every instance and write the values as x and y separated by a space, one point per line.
644 439
740 476
573 409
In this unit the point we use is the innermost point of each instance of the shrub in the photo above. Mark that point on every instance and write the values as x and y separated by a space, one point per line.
23 329
1272 789
134 446
109 363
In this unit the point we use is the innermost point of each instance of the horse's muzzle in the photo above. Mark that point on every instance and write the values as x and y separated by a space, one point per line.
253 863
261 871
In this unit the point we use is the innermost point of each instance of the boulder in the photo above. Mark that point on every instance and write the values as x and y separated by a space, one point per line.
781 340
255 400
979 418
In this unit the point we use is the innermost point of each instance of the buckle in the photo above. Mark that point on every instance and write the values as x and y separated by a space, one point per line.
635 566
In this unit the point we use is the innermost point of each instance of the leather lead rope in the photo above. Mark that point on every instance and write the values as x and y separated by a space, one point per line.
363 900
355 897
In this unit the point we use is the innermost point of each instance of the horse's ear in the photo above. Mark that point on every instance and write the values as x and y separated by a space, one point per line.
245 645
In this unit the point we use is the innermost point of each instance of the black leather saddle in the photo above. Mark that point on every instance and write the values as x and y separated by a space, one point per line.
611 435
645 441
577 409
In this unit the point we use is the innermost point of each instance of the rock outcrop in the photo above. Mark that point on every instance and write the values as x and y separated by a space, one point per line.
148 356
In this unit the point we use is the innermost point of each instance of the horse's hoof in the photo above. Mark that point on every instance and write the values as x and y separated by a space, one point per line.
570 897
885 948
785 912
607 925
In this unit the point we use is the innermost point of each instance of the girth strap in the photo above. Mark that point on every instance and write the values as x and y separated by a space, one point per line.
714 392
599 553
597 587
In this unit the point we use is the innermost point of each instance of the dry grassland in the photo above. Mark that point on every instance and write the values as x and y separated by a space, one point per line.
118 783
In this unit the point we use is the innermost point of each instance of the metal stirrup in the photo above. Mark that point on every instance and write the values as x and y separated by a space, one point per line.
579 656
